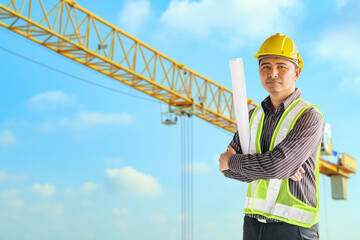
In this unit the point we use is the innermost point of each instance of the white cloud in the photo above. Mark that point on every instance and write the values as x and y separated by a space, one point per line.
134 15
351 83
69 192
232 20
91 235
16 203
129 181
120 211
86 188
183 216
85 120
122 225
9 177
50 100
7 138
45 190
158 218
3 176
199 168
89 187
51 209
91 119
340 47
12 198
87 203
10 193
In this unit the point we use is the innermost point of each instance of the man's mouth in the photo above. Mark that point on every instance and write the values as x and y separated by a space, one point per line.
272 82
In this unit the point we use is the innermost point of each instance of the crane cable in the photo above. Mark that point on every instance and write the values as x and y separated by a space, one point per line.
82 79
73 76
187 179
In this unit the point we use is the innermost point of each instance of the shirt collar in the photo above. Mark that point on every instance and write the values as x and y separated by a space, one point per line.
266 103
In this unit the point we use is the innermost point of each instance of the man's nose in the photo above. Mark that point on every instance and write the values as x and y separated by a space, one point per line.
273 73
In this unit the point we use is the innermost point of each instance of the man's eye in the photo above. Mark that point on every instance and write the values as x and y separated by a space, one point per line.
266 67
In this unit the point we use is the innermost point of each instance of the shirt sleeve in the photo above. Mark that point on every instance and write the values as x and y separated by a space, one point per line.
288 156
235 144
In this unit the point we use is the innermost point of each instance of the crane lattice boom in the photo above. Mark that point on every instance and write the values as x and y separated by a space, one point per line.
80 35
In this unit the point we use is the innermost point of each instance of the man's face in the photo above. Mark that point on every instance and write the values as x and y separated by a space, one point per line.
278 76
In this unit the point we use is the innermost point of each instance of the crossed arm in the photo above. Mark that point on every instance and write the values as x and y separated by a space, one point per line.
223 163
284 162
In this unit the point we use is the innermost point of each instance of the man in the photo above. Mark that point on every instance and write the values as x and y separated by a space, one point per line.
282 167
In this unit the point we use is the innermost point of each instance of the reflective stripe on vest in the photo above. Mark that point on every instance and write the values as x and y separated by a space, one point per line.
258 114
269 205
281 210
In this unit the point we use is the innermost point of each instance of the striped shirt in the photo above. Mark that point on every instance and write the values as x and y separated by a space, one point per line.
298 149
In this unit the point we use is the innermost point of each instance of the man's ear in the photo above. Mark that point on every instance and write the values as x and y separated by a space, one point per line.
297 73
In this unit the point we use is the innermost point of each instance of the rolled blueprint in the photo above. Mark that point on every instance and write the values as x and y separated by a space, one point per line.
240 102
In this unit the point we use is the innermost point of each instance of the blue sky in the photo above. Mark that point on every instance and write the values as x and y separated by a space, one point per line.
75 157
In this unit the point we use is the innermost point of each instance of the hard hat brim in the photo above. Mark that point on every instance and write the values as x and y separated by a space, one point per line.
259 55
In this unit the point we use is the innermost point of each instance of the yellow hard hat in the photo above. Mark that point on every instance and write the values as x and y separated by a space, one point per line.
280 45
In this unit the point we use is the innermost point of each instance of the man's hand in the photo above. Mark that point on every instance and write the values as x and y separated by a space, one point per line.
297 176
224 158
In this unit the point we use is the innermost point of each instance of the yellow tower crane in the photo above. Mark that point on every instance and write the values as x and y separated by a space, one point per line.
80 35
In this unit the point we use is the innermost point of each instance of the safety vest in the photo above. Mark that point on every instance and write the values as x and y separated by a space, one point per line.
272 198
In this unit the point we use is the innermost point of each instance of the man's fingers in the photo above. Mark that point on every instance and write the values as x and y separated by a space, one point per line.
301 170
297 176
229 148
296 179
